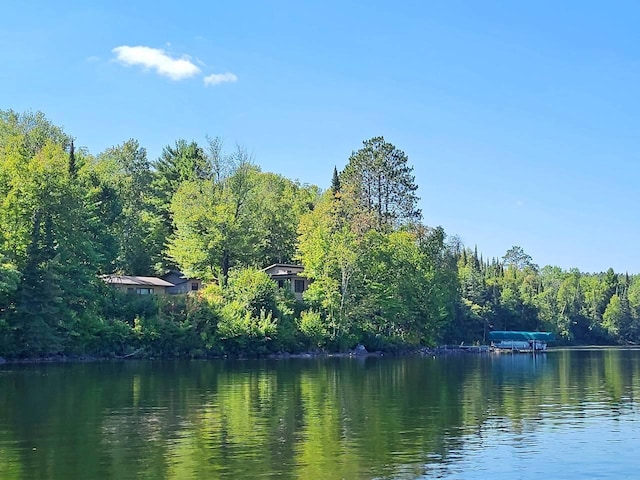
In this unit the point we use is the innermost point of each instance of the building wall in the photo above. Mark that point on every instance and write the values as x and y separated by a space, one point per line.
297 285
192 285
182 285
140 289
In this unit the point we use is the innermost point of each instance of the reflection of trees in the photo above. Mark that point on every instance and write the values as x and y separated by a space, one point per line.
335 418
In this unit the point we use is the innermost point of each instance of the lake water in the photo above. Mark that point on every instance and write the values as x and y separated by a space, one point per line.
566 414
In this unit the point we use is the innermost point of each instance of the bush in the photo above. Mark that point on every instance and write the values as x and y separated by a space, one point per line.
313 329
241 332
253 289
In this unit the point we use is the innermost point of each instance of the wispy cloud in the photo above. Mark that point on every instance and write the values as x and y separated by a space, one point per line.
158 60
218 78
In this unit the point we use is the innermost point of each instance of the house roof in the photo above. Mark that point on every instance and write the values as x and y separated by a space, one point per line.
282 269
136 280
178 278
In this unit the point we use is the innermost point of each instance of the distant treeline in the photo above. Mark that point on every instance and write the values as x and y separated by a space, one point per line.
381 277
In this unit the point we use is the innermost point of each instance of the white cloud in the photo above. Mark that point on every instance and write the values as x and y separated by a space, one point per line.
158 60
218 78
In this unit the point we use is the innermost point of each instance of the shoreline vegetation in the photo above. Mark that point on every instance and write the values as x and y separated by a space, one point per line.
380 276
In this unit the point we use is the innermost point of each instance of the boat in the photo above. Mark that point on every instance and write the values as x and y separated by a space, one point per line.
514 341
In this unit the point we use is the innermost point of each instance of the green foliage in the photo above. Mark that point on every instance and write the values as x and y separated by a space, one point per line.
614 317
245 218
578 307
184 162
386 288
33 129
48 241
213 224
203 319
9 281
276 215
180 163
329 250
240 331
378 276
313 328
253 289
129 177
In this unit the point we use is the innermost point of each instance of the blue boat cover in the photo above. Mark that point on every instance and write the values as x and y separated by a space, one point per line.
510 335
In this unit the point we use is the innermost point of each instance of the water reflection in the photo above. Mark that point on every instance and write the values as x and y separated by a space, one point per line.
505 415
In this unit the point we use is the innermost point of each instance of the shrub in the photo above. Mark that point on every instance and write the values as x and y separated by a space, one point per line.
313 328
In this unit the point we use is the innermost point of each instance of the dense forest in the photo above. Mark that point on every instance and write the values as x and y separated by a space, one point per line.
380 276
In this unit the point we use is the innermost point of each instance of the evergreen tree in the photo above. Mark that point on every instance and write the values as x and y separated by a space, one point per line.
37 307
73 168
517 258
379 179
185 161
335 183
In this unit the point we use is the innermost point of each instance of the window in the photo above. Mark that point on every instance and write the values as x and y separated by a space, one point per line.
144 291
194 286
130 290
298 286
280 283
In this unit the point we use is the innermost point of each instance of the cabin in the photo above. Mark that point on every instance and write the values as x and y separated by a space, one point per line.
139 285
173 283
289 276
181 283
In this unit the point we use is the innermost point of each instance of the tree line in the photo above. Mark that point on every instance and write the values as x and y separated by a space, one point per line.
513 293
380 275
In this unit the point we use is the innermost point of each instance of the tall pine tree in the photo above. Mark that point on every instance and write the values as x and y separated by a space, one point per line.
380 181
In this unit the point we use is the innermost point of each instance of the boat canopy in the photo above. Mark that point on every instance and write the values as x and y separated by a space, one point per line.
525 336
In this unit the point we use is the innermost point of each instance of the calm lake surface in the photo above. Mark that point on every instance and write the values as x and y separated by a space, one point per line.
564 414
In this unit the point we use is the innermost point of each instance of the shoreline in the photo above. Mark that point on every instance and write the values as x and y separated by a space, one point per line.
359 352
440 351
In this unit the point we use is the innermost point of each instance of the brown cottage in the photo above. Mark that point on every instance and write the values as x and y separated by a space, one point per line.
289 276
172 283
137 284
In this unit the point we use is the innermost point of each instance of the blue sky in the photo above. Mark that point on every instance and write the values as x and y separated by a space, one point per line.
521 119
